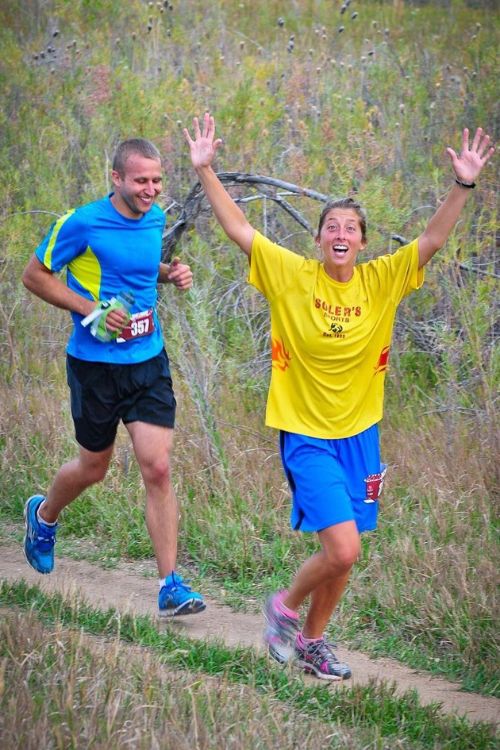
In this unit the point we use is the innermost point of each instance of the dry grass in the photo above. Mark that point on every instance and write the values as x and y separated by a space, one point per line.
430 571
61 689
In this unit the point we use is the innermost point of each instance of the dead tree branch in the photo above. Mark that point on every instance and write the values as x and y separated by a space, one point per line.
270 188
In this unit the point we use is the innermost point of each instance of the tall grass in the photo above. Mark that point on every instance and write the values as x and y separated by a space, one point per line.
367 110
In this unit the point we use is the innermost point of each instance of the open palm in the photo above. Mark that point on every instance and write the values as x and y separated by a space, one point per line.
469 163
204 145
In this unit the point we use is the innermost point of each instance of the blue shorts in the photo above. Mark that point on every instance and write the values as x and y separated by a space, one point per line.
333 481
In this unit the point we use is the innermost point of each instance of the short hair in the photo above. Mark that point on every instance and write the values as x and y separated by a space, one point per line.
131 146
345 203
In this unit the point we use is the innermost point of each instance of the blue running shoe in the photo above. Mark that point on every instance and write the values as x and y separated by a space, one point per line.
177 598
39 539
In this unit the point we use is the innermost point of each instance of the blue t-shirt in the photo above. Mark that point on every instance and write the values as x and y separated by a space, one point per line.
106 253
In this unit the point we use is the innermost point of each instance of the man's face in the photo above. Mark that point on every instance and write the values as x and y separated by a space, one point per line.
138 187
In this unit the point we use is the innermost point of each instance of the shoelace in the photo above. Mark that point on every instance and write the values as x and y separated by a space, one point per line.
179 583
46 537
324 650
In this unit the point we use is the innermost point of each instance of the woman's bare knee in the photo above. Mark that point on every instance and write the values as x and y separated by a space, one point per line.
341 547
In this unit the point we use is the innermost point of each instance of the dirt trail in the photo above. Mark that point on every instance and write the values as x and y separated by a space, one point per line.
127 591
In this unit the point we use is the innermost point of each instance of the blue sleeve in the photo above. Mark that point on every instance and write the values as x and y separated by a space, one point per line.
65 240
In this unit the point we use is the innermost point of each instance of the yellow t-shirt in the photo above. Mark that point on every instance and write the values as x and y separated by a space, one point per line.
330 340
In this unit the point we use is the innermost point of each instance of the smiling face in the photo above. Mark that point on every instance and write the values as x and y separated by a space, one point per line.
340 240
137 187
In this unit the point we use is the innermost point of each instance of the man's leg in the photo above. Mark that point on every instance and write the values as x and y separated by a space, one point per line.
153 447
72 479
41 513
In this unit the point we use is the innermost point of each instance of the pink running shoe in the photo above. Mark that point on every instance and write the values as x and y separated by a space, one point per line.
281 629
318 657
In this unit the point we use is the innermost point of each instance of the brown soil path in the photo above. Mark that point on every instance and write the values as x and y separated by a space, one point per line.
127 591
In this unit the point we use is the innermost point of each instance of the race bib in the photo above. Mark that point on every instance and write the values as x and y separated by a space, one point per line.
140 324
374 484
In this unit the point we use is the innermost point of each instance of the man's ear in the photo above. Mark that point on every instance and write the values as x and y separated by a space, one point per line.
115 177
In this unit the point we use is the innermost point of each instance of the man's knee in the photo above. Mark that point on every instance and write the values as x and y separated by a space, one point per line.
94 468
156 471
94 475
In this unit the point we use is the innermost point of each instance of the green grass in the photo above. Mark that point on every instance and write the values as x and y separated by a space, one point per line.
369 111
375 707
78 689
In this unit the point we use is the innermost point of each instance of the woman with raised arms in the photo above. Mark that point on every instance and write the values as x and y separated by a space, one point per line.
331 327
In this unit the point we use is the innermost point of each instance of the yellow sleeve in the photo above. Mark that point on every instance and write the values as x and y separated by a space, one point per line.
272 267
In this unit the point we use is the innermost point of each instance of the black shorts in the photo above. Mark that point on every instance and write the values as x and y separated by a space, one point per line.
102 394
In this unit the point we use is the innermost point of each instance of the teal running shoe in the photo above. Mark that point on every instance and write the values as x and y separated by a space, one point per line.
39 539
177 598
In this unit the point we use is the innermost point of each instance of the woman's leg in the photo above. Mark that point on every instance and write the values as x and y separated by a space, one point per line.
324 576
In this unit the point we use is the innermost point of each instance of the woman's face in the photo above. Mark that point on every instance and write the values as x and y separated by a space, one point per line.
340 241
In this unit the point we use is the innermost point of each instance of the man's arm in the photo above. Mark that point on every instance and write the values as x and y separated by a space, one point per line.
46 285
467 167
231 218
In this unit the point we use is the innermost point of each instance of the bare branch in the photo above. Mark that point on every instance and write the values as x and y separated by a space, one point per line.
472 269
193 204
250 179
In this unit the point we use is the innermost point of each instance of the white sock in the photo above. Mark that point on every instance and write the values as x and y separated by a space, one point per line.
42 520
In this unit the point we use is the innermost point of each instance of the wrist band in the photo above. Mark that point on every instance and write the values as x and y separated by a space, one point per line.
469 185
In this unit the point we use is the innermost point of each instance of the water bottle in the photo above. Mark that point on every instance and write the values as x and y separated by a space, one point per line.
123 301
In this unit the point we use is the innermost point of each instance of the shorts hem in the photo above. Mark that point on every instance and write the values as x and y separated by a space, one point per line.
95 450
314 530
147 420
